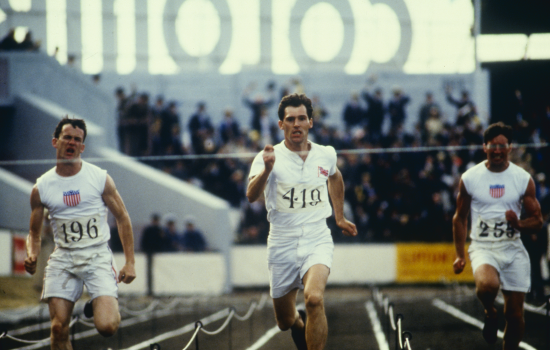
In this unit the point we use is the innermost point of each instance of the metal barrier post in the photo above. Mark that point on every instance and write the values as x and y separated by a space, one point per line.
230 335
197 324
119 337
250 326
407 336
40 320
154 324
73 329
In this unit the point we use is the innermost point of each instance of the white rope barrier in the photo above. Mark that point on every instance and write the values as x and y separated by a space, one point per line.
32 328
254 306
20 313
149 308
262 302
252 155
192 338
407 344
25 341
248 314
86 323
392 319
403 338
399 332
222 327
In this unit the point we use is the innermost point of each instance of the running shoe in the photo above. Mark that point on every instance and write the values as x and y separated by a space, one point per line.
88 309
299 337
490 329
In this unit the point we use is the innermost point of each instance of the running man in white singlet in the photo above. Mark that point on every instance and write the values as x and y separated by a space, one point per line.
495 191
296 177
78 195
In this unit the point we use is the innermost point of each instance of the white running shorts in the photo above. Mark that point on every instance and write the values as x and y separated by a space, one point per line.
68 270
291 251
509 258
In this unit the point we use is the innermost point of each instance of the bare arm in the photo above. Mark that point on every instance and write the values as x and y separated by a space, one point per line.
256 186
460 226
533 215
34 239
114 202
336 191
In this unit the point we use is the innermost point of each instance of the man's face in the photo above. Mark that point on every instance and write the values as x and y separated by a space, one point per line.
296 124
70 143
497 150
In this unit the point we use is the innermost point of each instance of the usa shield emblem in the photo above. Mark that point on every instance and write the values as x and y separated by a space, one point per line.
496 191
71 198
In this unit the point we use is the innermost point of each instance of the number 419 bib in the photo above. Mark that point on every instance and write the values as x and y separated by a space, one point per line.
295 198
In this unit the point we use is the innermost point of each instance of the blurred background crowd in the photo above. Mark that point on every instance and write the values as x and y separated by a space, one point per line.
395 190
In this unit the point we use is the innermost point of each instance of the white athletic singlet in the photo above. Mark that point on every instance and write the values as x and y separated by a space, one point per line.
296 191
492 195
77 211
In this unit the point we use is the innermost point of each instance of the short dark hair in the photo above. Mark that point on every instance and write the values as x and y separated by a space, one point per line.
498 128
295 100
76 123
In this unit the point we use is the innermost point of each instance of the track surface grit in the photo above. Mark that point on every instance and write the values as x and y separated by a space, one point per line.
437 317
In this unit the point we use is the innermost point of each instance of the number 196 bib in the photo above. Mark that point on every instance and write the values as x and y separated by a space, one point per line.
78 233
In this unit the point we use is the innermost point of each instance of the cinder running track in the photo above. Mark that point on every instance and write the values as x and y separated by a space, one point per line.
438 317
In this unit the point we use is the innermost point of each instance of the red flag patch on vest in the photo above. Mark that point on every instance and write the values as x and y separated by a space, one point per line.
322 172
71 198
496 191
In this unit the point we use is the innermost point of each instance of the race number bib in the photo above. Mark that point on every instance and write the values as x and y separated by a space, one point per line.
78 233
294 198
494 229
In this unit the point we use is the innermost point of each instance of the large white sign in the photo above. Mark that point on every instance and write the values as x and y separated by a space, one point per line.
284 36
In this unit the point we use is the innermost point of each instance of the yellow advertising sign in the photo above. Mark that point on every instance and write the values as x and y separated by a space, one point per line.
423 262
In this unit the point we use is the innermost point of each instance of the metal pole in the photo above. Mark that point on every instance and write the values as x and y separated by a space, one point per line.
197 324
149 274
250 327
73 332
230 335
154 323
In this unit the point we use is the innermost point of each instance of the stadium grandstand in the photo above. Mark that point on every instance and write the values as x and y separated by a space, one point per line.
180 95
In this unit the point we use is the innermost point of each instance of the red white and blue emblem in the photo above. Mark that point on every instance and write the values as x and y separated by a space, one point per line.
71 198
322 172
496 191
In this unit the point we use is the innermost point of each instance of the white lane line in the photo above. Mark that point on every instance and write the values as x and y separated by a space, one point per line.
541 310
264 338
270 333
469 319
377 327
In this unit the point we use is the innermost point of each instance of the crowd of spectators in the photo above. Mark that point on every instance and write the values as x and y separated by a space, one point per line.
161 235
12 42
390 195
